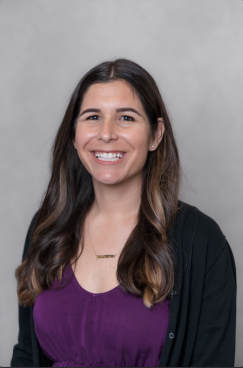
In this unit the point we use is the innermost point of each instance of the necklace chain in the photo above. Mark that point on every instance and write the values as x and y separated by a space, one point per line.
100 256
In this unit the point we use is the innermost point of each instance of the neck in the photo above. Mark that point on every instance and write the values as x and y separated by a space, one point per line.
117 202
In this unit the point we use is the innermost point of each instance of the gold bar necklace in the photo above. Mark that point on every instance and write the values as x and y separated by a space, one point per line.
99 255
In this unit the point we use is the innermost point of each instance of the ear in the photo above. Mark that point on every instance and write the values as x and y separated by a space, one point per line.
74 143
158 135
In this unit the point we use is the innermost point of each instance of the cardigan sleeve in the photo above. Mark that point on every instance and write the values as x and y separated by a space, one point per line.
22 351
215 340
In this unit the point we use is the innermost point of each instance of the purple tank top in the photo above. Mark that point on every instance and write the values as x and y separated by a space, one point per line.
77 328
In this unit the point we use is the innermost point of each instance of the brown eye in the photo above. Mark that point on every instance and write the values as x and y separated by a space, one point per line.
93 117
129 117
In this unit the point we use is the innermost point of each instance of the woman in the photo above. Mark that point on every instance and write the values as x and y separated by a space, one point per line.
116 270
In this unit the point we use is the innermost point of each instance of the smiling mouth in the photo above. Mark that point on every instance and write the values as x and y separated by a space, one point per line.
108 154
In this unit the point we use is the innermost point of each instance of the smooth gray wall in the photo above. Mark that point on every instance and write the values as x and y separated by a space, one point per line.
193 49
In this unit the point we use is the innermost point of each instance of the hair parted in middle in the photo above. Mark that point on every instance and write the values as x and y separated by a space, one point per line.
146 263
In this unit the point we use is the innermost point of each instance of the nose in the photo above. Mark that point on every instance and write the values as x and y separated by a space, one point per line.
107 130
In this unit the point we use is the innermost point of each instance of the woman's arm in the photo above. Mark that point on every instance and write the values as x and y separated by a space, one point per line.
22 351
215 340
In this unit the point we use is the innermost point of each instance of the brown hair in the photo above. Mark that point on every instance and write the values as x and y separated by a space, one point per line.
146 263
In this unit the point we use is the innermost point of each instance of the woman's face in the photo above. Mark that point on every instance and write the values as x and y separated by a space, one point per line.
104 133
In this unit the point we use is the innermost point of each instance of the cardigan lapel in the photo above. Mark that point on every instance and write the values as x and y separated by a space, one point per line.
175 238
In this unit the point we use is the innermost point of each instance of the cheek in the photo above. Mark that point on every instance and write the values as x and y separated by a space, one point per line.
139 138
81 137
142 145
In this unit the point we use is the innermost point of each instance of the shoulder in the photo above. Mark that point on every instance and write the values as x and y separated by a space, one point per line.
201 234
193 218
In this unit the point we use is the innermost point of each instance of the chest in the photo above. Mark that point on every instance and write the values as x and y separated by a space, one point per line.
76 328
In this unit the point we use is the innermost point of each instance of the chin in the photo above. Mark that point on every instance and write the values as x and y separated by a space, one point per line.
108 180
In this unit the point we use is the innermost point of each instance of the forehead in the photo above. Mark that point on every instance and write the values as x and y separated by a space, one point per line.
114 93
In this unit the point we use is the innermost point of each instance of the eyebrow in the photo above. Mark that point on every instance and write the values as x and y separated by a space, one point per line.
122 109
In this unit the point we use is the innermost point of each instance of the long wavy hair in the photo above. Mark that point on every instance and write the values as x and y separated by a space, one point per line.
146 263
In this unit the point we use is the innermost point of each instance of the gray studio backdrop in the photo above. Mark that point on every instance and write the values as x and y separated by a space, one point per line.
193 49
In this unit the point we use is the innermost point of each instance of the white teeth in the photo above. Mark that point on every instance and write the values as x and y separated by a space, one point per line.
109 155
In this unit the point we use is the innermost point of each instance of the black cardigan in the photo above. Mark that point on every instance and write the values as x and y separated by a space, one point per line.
201 330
